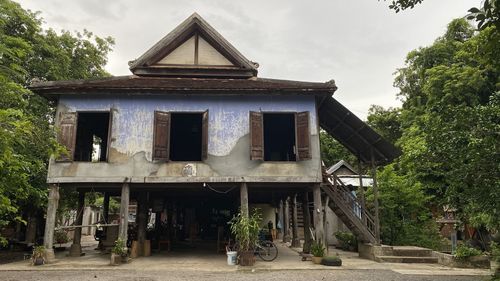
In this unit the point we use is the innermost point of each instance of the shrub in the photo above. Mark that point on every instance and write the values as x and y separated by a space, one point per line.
61 237
347 240
495 251
331 261
317 249
119 248
463 252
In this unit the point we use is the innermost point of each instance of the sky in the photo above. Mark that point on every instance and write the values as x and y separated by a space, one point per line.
357 43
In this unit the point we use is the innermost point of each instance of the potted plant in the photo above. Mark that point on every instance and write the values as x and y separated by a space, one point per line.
495 259
119 252
246 231
318 252
331 261
38 256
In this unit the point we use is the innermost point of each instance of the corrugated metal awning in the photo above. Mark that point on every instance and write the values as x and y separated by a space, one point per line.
355 134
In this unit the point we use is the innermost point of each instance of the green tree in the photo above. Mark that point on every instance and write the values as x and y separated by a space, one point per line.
450 121
27 138
487 15
332 151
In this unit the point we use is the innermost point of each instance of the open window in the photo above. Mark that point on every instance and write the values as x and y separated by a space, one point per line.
279 136
85 135
180 136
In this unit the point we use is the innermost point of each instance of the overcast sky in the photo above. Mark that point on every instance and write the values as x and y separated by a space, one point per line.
358 43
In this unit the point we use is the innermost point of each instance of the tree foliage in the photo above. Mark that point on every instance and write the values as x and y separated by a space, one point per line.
449 131
28 53
487 15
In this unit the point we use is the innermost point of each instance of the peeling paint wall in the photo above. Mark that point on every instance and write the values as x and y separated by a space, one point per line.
130 153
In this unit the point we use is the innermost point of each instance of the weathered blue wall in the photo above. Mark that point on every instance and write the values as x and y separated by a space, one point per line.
132 135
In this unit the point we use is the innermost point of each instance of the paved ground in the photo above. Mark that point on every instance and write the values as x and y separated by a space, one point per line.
308 275
201 262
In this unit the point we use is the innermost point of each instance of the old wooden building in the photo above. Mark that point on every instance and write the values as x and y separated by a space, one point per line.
194 133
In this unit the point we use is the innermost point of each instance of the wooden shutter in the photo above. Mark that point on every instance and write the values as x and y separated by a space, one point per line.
161 136
204 136
302 139
67 135
110 129
256 136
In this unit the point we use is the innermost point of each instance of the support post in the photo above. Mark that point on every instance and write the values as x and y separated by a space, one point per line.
318 213
280 221
76 247
307 223
286 222
375 200
105 207
50 223
361 188
295 223
30 228
124 201
142 209
244 199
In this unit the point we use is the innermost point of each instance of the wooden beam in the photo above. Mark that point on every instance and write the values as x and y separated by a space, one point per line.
375 201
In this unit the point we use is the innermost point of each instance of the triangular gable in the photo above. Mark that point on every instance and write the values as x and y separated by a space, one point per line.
341 164
194 49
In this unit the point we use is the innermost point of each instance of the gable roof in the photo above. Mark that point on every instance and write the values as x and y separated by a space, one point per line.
156 62
338 165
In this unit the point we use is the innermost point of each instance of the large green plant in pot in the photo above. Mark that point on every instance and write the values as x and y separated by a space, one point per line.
246 231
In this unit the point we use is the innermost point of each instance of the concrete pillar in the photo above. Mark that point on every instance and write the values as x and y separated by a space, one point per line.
244 199
295 223
76 247
50 222
286 222
307 223
142 210
124 201
318 213
280 220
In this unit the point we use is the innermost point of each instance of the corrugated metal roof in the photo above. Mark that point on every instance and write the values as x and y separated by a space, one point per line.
355 134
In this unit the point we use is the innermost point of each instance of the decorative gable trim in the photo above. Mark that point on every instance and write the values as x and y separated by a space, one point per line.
194 28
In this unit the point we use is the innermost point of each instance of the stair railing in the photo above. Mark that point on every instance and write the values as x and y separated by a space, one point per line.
343 195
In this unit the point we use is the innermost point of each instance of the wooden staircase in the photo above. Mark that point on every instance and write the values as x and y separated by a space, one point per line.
349 209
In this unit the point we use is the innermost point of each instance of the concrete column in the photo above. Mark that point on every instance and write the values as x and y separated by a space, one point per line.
295 223
318 213
286 222
50 222
280 219
307 223
124 201
142 210
244 199
76 247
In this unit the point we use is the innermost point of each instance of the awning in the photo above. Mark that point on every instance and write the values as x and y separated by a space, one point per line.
355 134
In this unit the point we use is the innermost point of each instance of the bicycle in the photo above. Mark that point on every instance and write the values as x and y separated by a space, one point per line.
265 249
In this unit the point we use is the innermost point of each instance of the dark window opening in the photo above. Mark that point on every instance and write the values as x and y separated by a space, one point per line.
92 137
186 136
279 137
